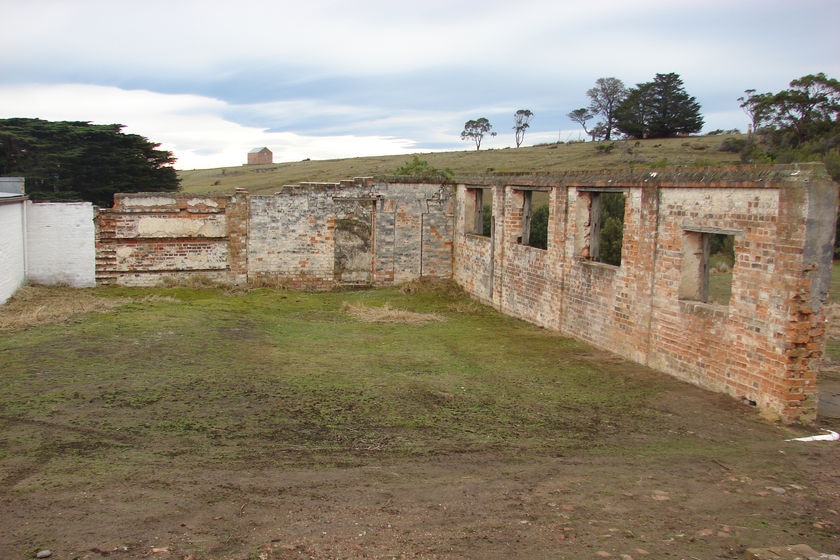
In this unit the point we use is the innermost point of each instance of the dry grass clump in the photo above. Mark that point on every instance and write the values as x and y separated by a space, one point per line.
386 314
470 306
426 285
38 305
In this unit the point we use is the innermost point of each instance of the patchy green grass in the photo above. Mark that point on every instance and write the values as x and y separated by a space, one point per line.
834 286
224 377
720 287
211 421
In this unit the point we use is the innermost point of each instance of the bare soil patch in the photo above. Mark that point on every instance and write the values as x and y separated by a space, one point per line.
219 463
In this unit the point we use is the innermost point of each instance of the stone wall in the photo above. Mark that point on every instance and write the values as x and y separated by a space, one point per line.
764 346
312 235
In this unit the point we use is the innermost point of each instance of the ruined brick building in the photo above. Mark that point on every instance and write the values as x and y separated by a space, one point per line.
763 344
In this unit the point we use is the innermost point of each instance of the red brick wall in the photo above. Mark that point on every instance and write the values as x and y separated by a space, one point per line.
764 347
283 239
148 238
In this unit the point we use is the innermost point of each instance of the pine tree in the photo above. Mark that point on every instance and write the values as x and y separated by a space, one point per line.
659 109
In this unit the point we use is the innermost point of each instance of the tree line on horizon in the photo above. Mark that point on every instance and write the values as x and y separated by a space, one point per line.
801 123
67 160
657 109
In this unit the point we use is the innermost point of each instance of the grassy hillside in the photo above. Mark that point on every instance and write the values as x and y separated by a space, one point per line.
699 151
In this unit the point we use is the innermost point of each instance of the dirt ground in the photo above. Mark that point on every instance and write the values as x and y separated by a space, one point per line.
589 504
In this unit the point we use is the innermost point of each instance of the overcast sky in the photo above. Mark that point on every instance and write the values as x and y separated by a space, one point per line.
323 79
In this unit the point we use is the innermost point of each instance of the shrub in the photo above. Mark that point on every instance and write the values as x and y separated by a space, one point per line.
421 169
733 145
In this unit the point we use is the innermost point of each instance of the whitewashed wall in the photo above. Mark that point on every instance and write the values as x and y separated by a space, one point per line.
61 243
12 263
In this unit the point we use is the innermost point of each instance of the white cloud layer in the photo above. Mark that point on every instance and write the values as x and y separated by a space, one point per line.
325 79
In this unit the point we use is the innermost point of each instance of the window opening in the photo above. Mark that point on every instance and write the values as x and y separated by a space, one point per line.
525 238
486 212
605 236
535 216
479 211
708 259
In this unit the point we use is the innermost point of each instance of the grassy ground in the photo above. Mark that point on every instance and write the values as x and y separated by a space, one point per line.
219 375
701 151
198 423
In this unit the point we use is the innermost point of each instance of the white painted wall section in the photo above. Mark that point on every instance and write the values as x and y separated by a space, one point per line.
12 256
61 244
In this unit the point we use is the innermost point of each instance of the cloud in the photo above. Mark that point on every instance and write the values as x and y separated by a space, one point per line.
211 79
190 126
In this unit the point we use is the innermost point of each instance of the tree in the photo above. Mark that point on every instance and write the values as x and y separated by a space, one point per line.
476 130
611 236
67 160
604 100
801 123
580 116
521 121
809 109
754 105
659 109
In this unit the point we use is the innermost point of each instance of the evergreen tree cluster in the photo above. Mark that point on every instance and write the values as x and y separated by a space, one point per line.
73 161
657 109
801 123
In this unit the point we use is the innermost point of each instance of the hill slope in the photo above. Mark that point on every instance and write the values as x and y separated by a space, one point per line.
699 151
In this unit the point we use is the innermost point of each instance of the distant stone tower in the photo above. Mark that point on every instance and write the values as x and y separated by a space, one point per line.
260 156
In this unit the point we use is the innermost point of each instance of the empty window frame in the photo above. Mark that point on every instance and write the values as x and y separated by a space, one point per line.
535 217
602 233
479 211
707 261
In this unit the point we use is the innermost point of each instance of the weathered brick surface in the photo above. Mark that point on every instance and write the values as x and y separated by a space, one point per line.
764 347
389 233
150 238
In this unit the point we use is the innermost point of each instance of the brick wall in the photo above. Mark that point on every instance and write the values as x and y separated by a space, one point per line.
147 239
312 235
763 347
